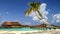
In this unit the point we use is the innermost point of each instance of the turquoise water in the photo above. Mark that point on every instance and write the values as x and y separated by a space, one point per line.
24 29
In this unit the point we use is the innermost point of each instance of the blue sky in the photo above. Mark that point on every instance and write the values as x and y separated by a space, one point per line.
14 10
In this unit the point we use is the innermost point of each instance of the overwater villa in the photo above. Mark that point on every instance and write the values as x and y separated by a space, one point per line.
39 26
11 24
17 24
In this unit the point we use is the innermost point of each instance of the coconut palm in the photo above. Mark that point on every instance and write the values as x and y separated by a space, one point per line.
34 6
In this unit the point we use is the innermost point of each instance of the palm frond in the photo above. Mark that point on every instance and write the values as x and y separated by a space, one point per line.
28 11
34 4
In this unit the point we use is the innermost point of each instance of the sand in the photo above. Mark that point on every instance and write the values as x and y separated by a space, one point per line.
57 31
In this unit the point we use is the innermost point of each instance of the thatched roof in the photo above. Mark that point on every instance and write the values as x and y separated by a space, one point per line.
11 23
15 23
6 23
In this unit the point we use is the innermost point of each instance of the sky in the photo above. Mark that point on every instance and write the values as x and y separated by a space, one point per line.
14 10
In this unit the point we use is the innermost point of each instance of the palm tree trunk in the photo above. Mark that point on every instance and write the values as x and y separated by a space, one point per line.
36 12
40 18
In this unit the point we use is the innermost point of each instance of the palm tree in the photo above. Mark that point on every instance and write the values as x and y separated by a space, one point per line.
34 6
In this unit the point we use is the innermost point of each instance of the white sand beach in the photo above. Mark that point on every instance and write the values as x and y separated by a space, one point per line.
57 31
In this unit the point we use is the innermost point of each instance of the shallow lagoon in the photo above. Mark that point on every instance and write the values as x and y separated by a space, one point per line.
25 29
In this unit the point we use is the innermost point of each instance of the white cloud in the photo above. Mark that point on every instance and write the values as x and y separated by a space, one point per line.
35 18
57 21
32 14
43 10
46 18
42 7
56 18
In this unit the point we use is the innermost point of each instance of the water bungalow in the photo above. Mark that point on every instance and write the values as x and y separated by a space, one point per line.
11 24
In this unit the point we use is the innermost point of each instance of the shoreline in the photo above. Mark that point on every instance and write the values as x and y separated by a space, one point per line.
31 32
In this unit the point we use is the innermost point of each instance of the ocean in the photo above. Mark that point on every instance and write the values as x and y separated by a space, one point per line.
24 29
